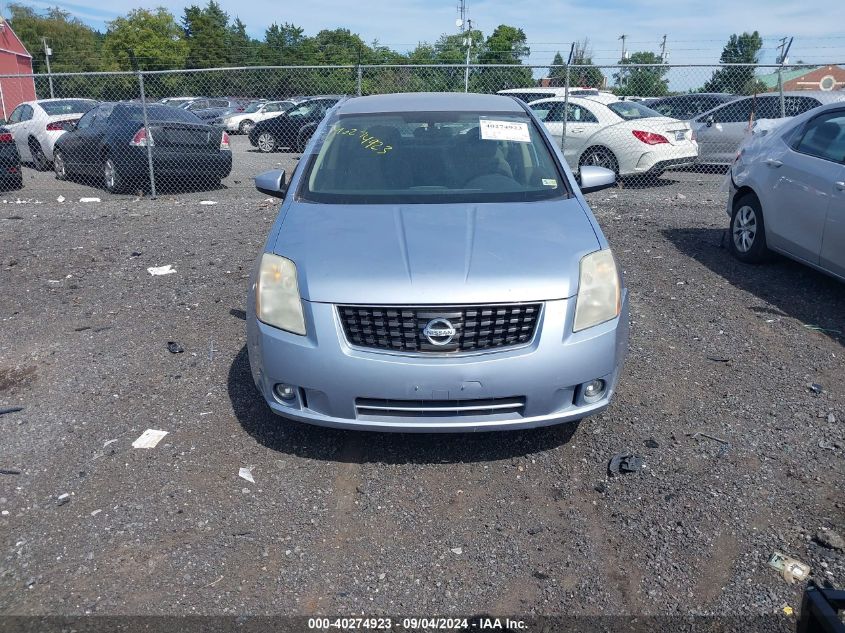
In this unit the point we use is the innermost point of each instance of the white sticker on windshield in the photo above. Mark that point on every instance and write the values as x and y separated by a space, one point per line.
549 182
504 131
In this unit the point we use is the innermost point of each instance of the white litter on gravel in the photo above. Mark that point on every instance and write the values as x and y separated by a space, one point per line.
246 473
207 202
457 550
107 442
60 199
161 270
89 200
149 439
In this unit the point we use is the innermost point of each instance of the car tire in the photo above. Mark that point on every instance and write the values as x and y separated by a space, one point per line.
38 156
747 240
246 126
600 157
266 142
113 180
59 165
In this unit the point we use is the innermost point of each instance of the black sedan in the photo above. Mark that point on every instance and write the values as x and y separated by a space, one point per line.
10 161
687 107
111 142
294 127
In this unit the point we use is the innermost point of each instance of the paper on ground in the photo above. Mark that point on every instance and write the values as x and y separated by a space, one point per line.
492 130
149 439
246 473
207 202
161 270
89 200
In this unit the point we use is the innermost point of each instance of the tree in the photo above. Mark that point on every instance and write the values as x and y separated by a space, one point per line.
584 73
557 73
740 49
647 81
505 45
207 35
155 38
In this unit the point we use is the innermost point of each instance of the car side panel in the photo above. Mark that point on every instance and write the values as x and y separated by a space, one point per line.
833 242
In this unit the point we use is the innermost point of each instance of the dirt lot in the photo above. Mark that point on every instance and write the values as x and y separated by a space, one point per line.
344 523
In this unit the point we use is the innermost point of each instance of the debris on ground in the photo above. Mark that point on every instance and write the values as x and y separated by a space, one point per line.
622 463
816 328
792 569
9 471
149 439
457 551
63 499
107 442
787 610
719 359
246 473
651 443
60 199
208 202
711 437
174 348
161 270
5 410
830 539
89 200
815 387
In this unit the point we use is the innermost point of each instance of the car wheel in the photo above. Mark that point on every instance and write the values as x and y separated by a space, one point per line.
38 157
600 157
113 180
59 165
748 235
246 126
266 142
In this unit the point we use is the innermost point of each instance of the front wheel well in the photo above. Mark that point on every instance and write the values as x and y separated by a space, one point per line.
742 192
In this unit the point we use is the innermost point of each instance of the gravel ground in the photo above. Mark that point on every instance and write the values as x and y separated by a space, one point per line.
344 523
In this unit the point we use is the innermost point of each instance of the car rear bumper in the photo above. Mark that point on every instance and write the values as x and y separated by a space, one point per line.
170 163
341 386
657 161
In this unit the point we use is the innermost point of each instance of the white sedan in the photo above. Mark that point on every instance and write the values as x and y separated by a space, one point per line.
256 111
35 126
624 136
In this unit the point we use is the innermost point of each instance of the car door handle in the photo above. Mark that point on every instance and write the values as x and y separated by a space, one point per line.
840 185
773 162
577 130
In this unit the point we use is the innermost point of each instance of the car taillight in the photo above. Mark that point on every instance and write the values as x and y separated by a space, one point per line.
224 141
142 139
650 138
60 126
6 137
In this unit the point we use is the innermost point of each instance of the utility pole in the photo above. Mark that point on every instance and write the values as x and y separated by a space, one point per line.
462 15
782 59
622 60
663 50
468 44
47 52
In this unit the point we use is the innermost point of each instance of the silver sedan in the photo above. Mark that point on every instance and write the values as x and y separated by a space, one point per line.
787 192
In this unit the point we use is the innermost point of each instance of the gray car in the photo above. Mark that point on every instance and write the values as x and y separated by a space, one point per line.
435 267
787 192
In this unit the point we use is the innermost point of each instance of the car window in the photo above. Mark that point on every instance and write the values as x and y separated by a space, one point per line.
631 110
198 105
799 105
103 112
26 113
218 103
132 112
553 112
254 107
529 96
304 110
271 107
67 106
824 137
87 119
735 112
15 117
432 157
767 108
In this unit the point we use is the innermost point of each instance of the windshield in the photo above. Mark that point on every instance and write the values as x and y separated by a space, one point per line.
67 106
255 106
434 157
630 110
154 113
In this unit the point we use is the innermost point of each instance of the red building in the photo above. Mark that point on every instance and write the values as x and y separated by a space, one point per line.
14 60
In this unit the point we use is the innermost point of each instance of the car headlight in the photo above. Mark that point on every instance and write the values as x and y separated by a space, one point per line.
277 300
599 291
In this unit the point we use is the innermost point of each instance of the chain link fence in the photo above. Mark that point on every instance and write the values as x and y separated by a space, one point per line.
158 132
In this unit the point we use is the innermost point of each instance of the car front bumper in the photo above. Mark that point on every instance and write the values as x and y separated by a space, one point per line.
332 378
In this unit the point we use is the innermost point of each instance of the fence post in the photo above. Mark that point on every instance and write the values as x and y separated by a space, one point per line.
565 112
360 75
149 136
780 89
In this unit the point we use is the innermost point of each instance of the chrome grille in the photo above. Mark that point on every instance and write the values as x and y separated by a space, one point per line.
477 327
438 408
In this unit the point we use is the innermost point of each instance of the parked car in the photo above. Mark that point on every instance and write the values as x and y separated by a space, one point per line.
293 127
720 131
624 136
787 192
178 101
434 267
256 111
36 125
533 94
686 107
215 107
111 142
10 161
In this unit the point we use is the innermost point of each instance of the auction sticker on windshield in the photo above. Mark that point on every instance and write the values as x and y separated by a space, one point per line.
516 131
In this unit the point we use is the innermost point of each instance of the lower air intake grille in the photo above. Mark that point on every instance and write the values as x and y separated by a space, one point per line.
438 408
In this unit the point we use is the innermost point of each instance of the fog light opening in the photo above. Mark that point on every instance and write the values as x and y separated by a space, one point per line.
285 393
593 390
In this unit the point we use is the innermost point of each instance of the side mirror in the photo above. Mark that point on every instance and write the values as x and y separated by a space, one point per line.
594 178
710 121
272 183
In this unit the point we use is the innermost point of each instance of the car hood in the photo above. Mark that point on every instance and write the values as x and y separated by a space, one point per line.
443 253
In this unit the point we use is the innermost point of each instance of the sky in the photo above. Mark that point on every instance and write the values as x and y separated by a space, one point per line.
696 32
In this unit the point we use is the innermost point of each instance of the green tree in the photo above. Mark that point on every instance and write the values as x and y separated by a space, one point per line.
646 81
243 50
155 38
583 72
76 46
505 45
557 72
207 35
740 49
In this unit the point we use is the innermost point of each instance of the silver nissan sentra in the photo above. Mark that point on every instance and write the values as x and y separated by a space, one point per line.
434 267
